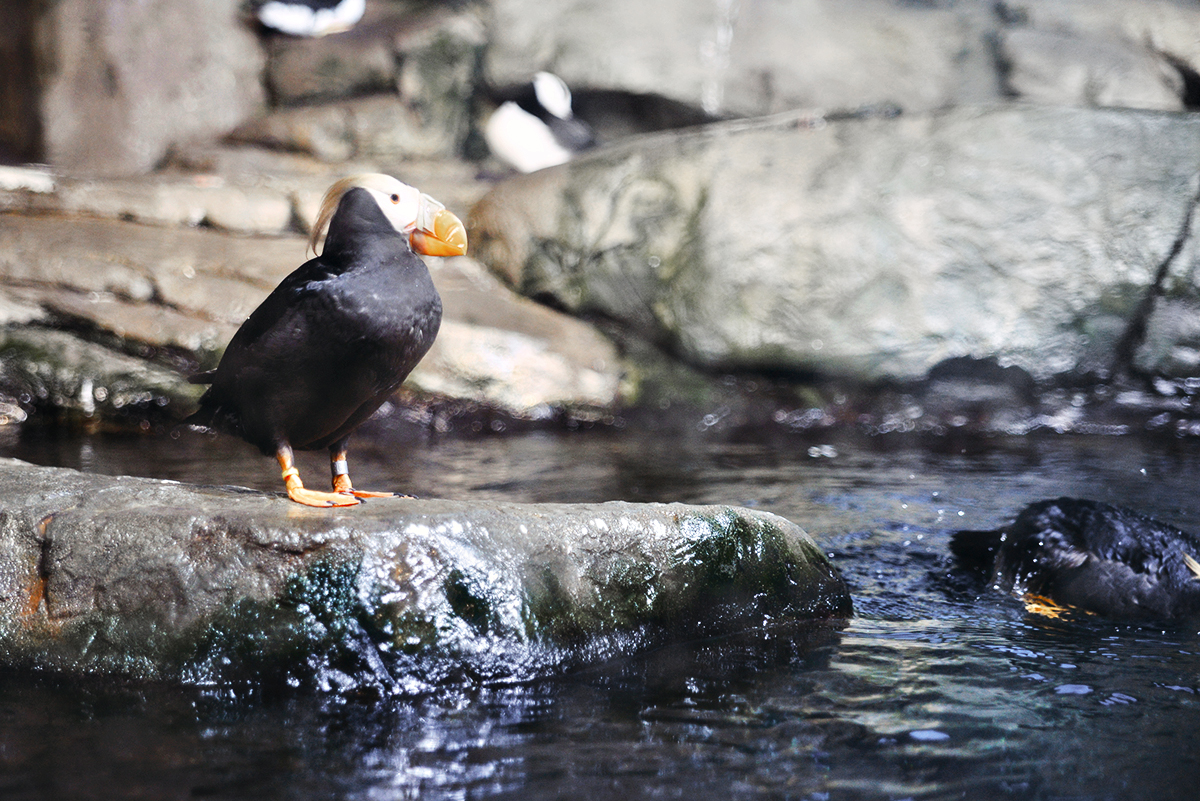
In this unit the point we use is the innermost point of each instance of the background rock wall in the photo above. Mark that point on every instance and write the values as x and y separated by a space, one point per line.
870 249
912 207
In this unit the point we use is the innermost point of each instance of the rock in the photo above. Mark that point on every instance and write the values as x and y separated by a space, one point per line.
453 182
979 392
227 189
511 353
750 59
179 294
137 324
323 132
1065 69
140 263
48 368
169 582
174 200
397 88
114 84
753 58
1130 51
376 54
359 61
376 127
869 249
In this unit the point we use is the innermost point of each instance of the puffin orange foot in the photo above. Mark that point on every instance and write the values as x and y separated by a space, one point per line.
342 485
322 499
367 494
297 491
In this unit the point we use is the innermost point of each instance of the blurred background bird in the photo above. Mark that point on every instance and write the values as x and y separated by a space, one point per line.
311 17
534 127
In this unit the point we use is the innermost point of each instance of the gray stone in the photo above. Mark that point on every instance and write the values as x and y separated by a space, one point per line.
227 189
164 581
139 262
753 58
323 132
118 83
353 62
1167 27
379 55
380 127
57 369
511 353
421 112
175 200
1058 68
148 324
865 248
749 59
187 290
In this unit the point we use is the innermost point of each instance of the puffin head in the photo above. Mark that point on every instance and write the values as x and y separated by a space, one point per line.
552 94
431 229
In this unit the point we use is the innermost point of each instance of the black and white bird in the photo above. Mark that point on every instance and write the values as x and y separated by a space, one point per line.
534 126
336 338
311 17
1091 556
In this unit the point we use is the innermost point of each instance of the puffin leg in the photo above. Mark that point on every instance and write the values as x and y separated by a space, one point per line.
295 487
341 475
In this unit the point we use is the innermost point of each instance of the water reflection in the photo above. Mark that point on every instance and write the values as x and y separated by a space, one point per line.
932 691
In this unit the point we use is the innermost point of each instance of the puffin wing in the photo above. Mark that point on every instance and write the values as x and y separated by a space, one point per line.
304 281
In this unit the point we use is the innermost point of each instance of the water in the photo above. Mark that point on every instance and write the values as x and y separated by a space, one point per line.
932 691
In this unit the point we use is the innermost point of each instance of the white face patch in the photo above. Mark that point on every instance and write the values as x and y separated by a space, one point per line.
400 203
553 95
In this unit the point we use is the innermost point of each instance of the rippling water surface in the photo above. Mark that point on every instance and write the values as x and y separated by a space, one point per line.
931 691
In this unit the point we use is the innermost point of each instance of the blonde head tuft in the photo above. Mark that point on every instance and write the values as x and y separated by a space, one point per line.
371 180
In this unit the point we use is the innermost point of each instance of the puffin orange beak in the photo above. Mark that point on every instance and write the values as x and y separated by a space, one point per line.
438 231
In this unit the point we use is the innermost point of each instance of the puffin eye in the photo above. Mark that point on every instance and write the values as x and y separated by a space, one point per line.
395 198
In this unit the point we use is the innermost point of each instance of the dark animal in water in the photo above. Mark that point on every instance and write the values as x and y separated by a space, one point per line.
1094 556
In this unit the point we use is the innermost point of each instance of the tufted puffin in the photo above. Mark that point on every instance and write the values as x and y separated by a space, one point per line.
334 340
1090 555
535 127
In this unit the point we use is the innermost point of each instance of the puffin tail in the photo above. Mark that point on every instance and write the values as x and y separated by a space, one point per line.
214 416
204 417
202 378
976 550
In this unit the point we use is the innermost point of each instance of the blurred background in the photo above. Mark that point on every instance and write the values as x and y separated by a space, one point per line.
921 214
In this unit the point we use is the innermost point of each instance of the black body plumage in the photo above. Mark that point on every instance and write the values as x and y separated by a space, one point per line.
331 343
1091 555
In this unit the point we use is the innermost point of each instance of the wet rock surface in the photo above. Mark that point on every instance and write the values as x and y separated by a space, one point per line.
160 580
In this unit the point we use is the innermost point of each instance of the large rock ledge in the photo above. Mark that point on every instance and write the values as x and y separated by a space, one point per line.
166 581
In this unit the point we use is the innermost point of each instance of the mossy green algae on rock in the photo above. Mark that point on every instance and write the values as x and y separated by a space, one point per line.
170 582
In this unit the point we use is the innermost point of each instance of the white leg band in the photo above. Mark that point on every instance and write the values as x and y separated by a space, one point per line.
340 468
